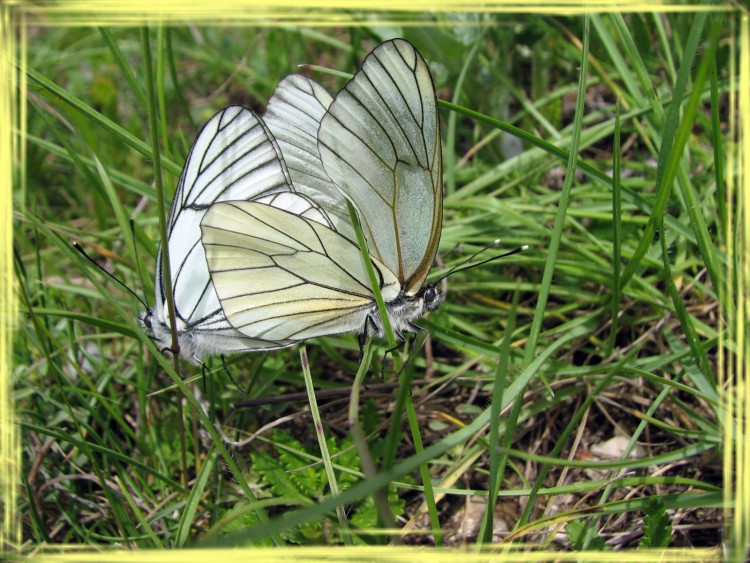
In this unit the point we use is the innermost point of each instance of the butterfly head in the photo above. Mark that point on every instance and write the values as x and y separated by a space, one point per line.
154 328
404 311
431 298
157 330
146 321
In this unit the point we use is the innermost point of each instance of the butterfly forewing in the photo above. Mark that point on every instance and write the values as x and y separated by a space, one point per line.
233 157
380 144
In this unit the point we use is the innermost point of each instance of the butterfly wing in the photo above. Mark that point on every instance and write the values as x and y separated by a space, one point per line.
293 116
234 157
280 276
379 142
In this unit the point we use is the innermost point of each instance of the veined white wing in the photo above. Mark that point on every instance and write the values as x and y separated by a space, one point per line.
293 116
281 276
233 157
380 144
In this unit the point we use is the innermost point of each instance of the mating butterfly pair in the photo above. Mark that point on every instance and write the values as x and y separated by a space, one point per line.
262 251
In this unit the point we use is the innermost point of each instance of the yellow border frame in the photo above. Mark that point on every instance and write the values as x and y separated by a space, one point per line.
11 152
734 373
734 370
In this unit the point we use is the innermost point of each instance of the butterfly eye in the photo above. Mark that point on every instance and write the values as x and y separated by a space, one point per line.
430 295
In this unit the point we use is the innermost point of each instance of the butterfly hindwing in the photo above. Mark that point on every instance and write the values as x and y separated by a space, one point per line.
280 276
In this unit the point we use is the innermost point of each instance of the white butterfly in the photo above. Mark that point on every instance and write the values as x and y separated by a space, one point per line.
283 277
235 157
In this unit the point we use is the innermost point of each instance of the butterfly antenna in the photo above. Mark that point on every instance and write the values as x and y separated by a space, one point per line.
137 259
463 265
80 249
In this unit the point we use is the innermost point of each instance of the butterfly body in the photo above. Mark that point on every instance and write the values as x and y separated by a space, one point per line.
283 277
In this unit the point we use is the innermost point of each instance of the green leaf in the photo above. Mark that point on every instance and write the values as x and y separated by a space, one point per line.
657 530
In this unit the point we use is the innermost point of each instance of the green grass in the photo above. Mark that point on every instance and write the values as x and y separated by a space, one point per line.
607 326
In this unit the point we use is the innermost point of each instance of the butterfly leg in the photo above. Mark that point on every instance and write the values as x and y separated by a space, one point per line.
419 340
370 329
362 340
392 350
210 412
229 375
